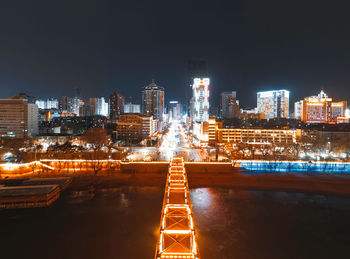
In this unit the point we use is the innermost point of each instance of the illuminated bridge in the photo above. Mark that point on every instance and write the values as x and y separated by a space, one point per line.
177 234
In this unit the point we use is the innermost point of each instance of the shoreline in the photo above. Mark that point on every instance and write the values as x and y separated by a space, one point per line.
207 175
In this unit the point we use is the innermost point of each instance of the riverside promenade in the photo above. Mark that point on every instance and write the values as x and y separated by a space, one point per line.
109 173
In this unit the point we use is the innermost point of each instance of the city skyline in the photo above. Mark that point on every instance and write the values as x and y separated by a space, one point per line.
174 129
53 49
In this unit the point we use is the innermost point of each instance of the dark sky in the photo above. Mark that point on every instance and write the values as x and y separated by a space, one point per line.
49 48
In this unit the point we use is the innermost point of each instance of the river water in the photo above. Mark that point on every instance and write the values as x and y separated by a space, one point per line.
231 223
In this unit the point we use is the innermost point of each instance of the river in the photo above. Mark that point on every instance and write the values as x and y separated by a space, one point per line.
231 223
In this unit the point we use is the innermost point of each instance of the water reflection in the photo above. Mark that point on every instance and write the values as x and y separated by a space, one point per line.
124 223
260 224
201 198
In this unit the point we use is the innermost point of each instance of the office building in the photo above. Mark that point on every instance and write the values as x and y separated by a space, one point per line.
134 127
153 101
214 133
99 106
273 104
116 105
174 112
18 118
320 109
200 100
65 104
132 108
41 104
229 105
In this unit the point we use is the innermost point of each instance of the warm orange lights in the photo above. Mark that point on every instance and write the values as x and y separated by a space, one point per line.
177 237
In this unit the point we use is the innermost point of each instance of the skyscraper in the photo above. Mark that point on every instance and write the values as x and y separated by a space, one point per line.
153 101
229 105
18 118
175 110
200 100
99 106
273 104
76 104
196 68
116 104
66 104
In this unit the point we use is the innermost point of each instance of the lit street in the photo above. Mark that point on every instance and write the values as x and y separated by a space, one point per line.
176 142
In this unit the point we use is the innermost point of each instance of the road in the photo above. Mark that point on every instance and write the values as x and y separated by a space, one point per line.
176 142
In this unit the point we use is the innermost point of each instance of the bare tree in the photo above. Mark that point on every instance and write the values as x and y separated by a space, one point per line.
97 138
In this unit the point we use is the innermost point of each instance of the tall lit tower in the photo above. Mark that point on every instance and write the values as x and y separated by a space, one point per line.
153 101
200 100
116 105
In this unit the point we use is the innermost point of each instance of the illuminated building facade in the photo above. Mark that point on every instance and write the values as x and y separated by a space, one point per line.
134 127
174 111
273 104
200 100
213 132
68 104
320 109
50 103
229 105
153 101
65 103
116 105
132 108
18 118
99 106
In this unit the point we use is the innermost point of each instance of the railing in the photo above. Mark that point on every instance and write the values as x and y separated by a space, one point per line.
177 237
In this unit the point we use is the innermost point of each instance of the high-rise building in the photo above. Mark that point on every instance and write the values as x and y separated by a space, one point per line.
132 108
200 100
196 68
229 105
50 103
320 109
116 105
18 118
134 127
153 101
86 110
298 108
71 105
99 106
273 104
65 103
41 103
76 104
174 112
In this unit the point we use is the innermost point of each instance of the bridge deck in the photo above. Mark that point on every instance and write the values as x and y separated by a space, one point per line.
177 234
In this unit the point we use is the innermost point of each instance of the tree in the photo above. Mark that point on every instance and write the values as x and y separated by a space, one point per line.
97 138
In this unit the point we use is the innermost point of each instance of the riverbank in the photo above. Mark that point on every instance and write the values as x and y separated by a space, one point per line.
202 175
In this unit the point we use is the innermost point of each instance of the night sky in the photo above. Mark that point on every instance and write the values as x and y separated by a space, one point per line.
48 48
